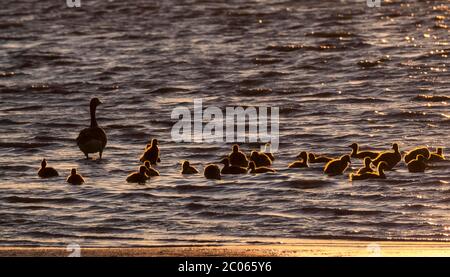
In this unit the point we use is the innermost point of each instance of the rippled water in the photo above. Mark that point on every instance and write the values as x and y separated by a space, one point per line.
339 71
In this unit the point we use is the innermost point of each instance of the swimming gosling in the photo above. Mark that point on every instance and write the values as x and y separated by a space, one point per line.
413 154
75 178
47 172
301 163
313 159
151 153
138 177
92 139
337 166
366 168
188 169
362 154
438 156
260 159
150 170
212 171
253 169
237 157
371 175
392 158
418 165
231 169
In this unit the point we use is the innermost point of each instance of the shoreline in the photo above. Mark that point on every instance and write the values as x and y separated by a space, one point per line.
301 248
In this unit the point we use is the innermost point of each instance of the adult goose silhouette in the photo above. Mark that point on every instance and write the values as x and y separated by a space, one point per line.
92 139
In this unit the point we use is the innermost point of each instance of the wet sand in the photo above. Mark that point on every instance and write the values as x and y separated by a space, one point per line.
302 248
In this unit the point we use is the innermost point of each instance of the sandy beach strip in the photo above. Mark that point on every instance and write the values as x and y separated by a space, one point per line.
302 248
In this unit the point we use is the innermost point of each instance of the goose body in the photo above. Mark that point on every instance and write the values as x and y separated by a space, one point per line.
75 178
253 169
301 163
366 168
392 158
413 154
138 177
212 171
237 158
313 159
151 153
438 156
188 169
150 170
260 159
371 175
232 169
337 166
47 172
362 154
92 139
417 165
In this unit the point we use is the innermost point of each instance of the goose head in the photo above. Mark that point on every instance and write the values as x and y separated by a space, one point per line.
73 171
44 163
186 164
95 102
367 162
235 148
303 155
346 159
354 146
142 170
395 147
252 166
311 157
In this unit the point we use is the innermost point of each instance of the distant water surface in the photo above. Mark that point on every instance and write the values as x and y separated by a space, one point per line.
339 71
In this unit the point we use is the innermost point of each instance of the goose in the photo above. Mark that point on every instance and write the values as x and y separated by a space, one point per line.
260 159
92 139
148 145
302 163
422 150
138 177
231 169
237 158
438 156
188 169
392 158
212 171
313 159
75 178
268 151
253 169
362 154
151 153
366 168
371 175
417 165
337 166
150 170
47 172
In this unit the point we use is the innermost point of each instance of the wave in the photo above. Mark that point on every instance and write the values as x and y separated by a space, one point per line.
431 98
19 199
